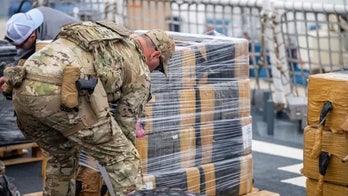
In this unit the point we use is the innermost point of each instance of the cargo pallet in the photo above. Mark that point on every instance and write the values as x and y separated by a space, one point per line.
21 153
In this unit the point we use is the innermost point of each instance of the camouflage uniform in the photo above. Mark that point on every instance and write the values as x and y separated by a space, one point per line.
117 60
2 168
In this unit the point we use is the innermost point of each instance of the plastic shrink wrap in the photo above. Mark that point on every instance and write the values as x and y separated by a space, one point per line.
198 123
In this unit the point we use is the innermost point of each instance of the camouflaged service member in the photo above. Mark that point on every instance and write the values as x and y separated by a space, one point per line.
122 63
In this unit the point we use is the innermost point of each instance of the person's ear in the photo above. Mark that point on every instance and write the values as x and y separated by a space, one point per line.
155 54
33 35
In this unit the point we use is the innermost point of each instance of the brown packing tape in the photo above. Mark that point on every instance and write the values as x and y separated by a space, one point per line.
209 179
246 174
207 102
205 75
188 69
184 71
188 147
203 50
148 118
241 60
142 145
207 132
244 97
187 107
193 180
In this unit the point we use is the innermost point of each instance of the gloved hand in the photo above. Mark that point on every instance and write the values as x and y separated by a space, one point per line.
2 82
2 79
140 129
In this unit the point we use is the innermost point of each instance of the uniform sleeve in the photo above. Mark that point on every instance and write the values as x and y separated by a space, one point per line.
135 91
131 106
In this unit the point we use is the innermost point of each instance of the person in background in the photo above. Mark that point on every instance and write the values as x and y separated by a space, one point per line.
19 6
247 37
24 29
42 23
108 64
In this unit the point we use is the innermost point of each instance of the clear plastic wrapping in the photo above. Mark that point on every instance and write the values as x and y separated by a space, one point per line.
198 123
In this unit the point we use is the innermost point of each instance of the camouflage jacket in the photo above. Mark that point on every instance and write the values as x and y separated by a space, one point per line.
114 57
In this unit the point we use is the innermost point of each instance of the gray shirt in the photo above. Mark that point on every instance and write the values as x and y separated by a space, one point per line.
53 20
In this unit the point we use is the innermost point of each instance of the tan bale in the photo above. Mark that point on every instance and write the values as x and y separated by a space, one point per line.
334 143
328 189
331 87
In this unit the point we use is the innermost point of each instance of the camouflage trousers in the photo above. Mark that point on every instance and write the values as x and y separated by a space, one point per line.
40 118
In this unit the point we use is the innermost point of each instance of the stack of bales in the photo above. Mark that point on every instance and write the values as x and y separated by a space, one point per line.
198 123
9 132
325 137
